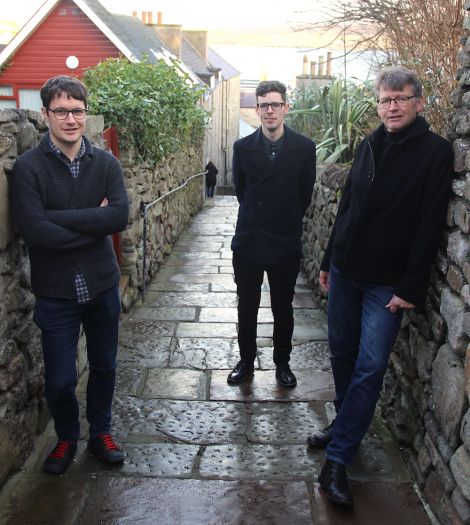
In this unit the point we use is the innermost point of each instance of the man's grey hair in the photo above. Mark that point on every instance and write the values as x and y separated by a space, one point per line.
396 78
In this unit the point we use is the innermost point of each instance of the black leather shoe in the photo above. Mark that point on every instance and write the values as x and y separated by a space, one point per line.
334 481
321 438
242 371
285 377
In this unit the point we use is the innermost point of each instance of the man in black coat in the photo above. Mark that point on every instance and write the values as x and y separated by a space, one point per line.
378 260
273 174
68 197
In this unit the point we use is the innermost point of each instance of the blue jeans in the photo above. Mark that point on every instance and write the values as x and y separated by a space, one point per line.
282 278
60 321
361 334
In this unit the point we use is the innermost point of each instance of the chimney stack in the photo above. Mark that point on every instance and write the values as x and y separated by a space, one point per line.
313 67
305 66
328 63
320 65
134 14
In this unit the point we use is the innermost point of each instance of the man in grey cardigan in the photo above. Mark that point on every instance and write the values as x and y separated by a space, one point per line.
67 198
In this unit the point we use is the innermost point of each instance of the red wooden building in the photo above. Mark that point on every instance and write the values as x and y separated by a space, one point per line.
66 37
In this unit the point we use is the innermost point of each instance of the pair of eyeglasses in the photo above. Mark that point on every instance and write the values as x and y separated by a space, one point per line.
401 101
62 114
264 106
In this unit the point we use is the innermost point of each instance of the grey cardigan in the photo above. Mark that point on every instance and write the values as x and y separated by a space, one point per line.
61 220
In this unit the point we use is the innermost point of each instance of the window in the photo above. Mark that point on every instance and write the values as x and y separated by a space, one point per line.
30 99
7 99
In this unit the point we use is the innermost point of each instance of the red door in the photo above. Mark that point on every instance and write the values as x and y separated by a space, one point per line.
111 145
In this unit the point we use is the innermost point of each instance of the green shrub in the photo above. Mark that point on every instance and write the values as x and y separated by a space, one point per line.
153 106
336 117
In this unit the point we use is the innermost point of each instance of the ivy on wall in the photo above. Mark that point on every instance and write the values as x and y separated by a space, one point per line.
154 107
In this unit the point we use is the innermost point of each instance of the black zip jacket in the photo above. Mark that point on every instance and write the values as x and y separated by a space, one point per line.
61 220
391 215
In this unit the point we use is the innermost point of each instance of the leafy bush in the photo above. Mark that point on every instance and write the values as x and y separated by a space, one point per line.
336 117
154 107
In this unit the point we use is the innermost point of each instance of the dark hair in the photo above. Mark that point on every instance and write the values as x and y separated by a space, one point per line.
55 86
269 86
396 78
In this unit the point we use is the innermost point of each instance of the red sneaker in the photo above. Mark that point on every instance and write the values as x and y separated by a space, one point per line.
58 461
105 449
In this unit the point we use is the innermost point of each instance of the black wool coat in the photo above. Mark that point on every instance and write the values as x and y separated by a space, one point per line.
391 215
273 196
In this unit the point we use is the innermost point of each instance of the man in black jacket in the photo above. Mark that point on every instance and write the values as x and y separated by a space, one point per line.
68 197
378 260
273 174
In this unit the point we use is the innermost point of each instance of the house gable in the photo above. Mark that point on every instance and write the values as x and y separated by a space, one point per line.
66 31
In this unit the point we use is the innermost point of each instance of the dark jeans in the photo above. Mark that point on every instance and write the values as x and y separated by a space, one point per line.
60 321
249 278
210 191
361 334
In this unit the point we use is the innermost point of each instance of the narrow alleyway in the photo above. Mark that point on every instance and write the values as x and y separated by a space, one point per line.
198 450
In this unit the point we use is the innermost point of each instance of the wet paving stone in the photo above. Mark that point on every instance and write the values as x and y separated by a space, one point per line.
205 353
312 385
174 383
206 330
315 355
281 462
150 352
131 327
219 315
167 313
284 423
178 287
224 287
191 422
374 503
195 502
301 332
222 299
172 272
150 459
376 461
209 278
182 247
129 379
43 500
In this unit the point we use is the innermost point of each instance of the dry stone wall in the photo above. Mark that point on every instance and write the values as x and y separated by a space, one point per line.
425 399
23 412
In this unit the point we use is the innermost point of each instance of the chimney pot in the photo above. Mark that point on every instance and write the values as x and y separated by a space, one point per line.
144 17
134 13
159 18
149 17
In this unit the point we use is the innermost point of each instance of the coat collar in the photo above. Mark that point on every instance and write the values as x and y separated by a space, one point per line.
254 142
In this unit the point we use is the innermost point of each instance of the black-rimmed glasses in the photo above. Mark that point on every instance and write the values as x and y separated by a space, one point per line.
401 101
264 106
62 114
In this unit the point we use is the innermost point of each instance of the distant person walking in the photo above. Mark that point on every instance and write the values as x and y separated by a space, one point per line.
211 178
273 174
68 197
378 260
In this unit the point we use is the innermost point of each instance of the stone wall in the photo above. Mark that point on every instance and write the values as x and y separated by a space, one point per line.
166 220
427 386
22 408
